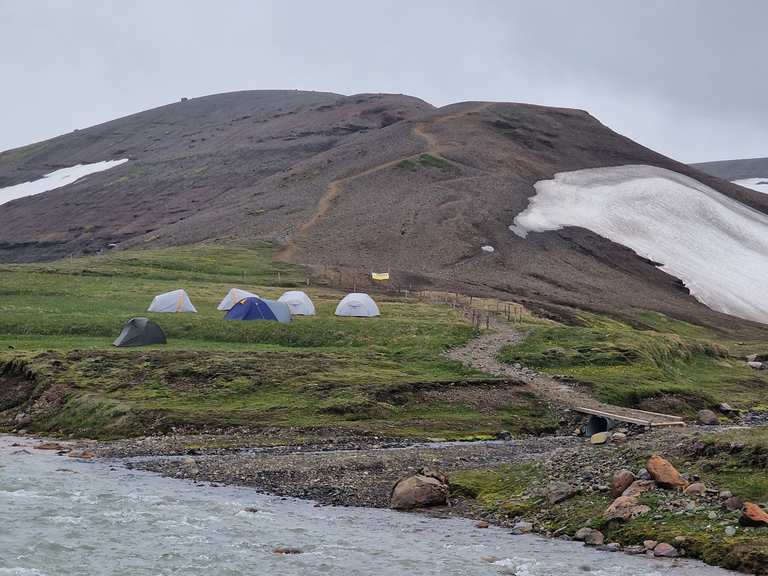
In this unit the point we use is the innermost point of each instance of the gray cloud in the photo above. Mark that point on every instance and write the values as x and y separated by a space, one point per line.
685 77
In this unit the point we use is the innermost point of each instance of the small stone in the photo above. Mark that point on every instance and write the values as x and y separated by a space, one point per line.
733 503
618 438
680 539
707 418
481 524
50 446
285 550
594 538
559 491
613 547
725 408
643 474
599 438
625 508
639 487
650 544
621 480
636 549
522 527
664 550
695 489
712 515
489 559
725 494
582 533
730 530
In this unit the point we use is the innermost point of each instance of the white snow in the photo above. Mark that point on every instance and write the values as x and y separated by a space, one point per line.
55 179
487 248
716 245
759 184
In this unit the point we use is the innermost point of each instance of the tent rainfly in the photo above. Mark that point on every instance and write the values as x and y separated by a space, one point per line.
298 303
233 297
175 301
259 309
357 304
140 332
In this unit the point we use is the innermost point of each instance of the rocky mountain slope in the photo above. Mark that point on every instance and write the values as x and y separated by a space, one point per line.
353 183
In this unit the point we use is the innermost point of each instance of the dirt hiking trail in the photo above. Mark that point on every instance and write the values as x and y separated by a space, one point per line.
434 148
481 353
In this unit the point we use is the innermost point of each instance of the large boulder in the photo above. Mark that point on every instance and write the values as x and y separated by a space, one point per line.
753 515
664 473
621 481
418 491
625 508
707 418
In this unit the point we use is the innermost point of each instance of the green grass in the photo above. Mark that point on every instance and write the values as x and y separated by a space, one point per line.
662 363
426 161
516 491
370 375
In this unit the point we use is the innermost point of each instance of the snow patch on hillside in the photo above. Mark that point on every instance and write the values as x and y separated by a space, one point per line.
55 179
717 246
759 184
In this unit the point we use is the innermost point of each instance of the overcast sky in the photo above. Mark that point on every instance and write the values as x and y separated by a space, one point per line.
686 77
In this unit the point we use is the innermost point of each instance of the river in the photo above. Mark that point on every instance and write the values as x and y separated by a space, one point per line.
63 517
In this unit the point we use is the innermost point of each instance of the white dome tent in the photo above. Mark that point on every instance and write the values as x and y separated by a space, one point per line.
298 303
233 297
357 304
175 301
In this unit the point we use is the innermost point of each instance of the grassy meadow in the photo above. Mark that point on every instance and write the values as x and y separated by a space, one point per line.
58 320
657 363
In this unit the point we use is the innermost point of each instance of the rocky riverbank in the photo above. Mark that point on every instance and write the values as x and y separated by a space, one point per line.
562 487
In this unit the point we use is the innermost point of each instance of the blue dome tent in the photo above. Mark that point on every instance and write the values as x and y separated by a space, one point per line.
259 309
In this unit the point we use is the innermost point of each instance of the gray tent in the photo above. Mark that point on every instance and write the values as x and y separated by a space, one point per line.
140 332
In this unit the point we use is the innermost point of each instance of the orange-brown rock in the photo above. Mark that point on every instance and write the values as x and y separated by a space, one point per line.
624 508
621 481
753 515
664 473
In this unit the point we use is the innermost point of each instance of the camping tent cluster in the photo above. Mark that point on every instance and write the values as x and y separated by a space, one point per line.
239 305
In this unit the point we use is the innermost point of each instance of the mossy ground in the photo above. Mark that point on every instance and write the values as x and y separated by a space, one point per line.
382 375
514 492
659 363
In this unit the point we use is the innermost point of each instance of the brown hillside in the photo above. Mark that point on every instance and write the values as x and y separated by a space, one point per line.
358 183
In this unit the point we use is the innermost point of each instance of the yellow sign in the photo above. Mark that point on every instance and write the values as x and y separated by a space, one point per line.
380 275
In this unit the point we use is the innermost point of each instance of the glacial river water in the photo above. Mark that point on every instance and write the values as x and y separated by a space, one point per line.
60 516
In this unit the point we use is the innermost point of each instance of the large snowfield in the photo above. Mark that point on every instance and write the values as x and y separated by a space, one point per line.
55 179
716 245
759 184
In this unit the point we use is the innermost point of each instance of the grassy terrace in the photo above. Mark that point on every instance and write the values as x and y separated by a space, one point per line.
659 363
385 375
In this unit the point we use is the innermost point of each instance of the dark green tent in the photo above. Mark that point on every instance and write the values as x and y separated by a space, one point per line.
140 332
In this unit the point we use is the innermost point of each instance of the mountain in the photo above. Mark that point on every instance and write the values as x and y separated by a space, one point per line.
375 182
736 169
751 172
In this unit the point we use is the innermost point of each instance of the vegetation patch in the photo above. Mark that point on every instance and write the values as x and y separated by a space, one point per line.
663 364
385 375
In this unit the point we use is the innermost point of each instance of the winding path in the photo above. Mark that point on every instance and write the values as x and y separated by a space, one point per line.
482 352
434 148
